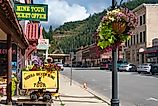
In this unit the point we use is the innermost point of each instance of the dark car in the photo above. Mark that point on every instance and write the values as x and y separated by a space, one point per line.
154 69
104 65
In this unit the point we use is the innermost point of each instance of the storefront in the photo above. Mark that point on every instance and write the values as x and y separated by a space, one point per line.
152 54
11 34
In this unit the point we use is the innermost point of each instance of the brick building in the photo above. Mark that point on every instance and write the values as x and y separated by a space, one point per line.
143 34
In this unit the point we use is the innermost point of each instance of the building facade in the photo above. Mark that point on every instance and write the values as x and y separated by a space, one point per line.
143 34
13 43
92 55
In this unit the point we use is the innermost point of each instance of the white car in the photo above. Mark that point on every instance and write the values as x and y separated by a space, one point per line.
127 67
60 65
146 67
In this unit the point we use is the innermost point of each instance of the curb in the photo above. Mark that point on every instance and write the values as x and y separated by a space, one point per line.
89 68
97 95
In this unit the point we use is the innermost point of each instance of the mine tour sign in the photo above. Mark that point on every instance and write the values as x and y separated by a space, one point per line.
39 79
33 12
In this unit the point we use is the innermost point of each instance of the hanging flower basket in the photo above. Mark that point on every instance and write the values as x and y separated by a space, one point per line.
119 27
116 27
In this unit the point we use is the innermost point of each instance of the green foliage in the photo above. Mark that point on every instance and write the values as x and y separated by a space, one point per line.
134 3
80 33
44 33
48 35
115 27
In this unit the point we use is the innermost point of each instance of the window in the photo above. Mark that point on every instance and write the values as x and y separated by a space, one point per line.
140 20
131 40
144 36
137 38
144 19
126 44
134 39
141 39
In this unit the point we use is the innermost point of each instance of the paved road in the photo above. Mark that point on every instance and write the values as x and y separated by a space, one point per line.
134 89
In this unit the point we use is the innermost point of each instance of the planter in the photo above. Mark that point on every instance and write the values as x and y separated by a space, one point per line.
119 27
116 28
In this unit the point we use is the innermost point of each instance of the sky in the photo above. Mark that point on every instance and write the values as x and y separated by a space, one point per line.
61 11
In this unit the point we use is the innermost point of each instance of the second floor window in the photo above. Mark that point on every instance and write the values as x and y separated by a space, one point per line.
131 40
144 19
126 44
141 37
140 20
144 36
134 39
137 38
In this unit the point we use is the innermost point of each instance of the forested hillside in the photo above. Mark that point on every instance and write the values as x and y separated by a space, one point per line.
80 33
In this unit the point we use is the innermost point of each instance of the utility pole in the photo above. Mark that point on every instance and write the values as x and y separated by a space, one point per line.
114 100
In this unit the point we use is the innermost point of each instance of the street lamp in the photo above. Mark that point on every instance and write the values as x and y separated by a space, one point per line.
114 100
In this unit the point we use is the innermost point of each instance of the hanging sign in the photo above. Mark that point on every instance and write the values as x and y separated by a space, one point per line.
32 12
43 44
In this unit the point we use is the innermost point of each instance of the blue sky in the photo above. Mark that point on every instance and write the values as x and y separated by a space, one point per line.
61 11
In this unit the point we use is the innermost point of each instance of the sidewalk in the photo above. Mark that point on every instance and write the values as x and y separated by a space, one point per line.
74 95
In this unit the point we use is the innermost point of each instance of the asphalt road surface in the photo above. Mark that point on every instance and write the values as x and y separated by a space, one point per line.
134 89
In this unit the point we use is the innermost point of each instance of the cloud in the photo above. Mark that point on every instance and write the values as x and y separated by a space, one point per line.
59 12
92 6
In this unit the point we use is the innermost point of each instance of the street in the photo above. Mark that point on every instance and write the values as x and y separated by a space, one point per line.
134 89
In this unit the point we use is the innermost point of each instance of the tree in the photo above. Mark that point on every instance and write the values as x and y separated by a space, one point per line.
50 33
44 33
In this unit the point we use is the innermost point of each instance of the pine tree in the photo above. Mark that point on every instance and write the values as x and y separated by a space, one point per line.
44 33
50 33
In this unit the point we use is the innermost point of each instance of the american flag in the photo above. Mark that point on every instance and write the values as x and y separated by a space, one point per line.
34 31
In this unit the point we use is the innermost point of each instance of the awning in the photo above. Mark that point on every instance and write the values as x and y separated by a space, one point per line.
150 51
10 24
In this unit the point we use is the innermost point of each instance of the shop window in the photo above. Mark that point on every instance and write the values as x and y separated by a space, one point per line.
155 42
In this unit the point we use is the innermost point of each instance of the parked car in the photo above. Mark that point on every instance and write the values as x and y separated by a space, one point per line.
154 69
104 65
118 64
146 67
127 67
66 65
85 65
60 65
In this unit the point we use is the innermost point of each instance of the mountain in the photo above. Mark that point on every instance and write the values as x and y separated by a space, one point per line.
73 35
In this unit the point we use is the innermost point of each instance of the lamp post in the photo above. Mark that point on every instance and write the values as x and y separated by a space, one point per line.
114 100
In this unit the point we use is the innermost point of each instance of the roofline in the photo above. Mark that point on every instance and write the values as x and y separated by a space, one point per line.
143 5
16 23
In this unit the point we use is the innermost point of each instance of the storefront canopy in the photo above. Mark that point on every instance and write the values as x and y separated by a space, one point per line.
10 25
